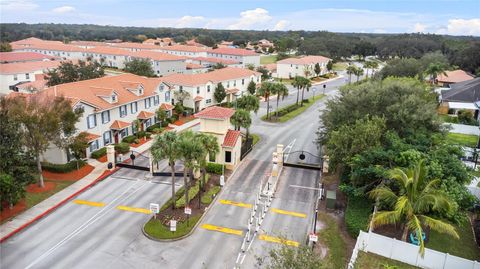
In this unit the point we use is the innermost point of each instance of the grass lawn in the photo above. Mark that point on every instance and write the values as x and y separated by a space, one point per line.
463 139
268 59
296 112
339 66
256 138
372 261
464 247
157 230
34 198
331 237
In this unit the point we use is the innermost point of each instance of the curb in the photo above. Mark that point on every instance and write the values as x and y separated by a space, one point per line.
48 211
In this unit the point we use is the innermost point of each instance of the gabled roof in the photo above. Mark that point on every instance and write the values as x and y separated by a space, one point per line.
119 125
27 67
218 75
234 51
20 56
145 115
455 76
91 137
166 106
198 98
108 50
156 56
215 112
467 91
312 59
230 91
231 139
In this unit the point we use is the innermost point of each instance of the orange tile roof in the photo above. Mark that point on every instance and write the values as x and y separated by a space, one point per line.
166 106
194 66
198 98
215 76
54 46
26 67
33 85
87 91
90 137
156 56
271 67
33 41
455 76
215 112
312 59
20 56
119 125
184 48
234 51
133 45
145 115
231 138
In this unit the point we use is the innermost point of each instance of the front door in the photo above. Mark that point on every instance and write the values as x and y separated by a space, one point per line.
197 106
116 137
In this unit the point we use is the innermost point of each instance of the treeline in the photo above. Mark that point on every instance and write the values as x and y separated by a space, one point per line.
460 51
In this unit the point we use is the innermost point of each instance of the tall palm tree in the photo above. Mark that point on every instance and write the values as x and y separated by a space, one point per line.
433 70
266 90
210 144
166 147
367 65
350 71
190 150
241 118
307 84
297 84
416 198
281 91
358 72
248 102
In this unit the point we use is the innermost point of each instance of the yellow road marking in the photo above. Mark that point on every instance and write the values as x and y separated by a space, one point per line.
278 240
228 202
291 213
134 209
84 202
221 229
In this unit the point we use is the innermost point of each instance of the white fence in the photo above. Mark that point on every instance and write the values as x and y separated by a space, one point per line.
407 253
474 190
464 129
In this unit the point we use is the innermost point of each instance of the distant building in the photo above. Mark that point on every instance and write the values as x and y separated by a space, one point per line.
243 56
454 76
216 121
462 95
292 67
17 57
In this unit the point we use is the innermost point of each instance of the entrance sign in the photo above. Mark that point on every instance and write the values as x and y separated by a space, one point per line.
188 211
173 225
313 237
155 208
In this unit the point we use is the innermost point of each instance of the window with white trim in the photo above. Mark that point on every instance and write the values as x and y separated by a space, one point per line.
208 101
93 145
107 138
123 111
91 121
148 104
105 116
27 76
156 100
133 107
167 96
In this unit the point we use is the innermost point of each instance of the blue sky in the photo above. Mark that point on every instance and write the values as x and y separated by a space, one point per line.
455 17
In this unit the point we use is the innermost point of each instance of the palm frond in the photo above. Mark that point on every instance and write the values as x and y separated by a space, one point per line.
384 194
385 217
414 224
399 175
439 226
403 206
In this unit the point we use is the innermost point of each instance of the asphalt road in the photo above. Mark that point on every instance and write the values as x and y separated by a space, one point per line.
99 235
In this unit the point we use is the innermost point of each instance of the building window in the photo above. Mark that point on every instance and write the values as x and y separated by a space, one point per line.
123 133
198 90
234 83
243 81
208 101
91 121
228 84
147 103
94 146
134 128
27 76
258 79
208 88
114 98
15 77
105 116
133 107
107 138
167 96
148 123
123 111
156 100
228 156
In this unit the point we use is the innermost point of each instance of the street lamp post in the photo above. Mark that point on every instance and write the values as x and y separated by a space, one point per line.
324 87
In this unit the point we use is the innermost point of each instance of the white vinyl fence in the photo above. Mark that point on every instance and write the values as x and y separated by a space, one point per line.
407 253
474 190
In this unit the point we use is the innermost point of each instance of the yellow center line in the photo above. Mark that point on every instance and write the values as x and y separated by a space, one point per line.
278 240
291 213
228 202
90 203
221 229
134 209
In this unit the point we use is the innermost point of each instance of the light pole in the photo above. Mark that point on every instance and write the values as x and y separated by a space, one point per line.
314 89
324 87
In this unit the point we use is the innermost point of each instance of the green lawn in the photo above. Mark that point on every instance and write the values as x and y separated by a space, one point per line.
156 229
207 197
464 247
296 112
339 66
372 261
34 198
268 59
462 139
256 138
331 237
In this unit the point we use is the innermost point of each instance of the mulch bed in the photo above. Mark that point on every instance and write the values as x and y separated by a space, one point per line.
70 176
34 188
142 141
183 120
103 159
8 212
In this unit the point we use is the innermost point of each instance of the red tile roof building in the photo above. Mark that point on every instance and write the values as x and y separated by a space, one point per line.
243 56
454 76
13 57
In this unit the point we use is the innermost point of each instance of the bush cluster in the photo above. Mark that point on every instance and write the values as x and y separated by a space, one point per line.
97 154
214 168
63 168
129 139
357 215
122 148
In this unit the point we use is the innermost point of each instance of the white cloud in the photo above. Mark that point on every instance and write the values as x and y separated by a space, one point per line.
281 25
252 19
419 28
190 21
17 5
63 9
463 27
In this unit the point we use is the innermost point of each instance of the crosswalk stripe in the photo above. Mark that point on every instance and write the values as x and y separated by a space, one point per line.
134 209
291 213
278 240
221 229
89 203
228 202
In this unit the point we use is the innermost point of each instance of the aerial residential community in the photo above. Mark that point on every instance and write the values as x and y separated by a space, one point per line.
213 134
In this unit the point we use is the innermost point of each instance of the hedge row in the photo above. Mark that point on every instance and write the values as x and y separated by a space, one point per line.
122 148
63 168
357 215
97 154
214 168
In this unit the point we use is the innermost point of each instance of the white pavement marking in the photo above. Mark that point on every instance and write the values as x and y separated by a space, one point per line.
289 148
88 223
304 187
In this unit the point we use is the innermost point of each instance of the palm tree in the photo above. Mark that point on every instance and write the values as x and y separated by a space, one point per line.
241 118
297 83
369 64
358 72
248 102
433 70
307 83
350 70
166 147
266 90
416 198
281 91
210 144
190 150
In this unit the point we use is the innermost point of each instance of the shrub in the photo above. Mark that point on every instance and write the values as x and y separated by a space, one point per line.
207 197
136 141
214 168
122 148
153 127
63 168
140 134
357 214
97 154
148 134
157 130
192 192
129 139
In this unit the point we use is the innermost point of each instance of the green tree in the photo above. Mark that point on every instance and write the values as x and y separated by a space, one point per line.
287 257
281 91
298 83
306 85
401 68
433 70
250 66
218 66
45 120
161 115
141 67
69 72
266 90
414 204
358 72
370 65
248 102
265 73
5 47
252 87
180 96
10 190
330 66
210 144
166 146
78 146
351 69
317 69
241 118
219 94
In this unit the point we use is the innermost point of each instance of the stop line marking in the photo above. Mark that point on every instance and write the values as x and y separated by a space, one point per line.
228 202
221 229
